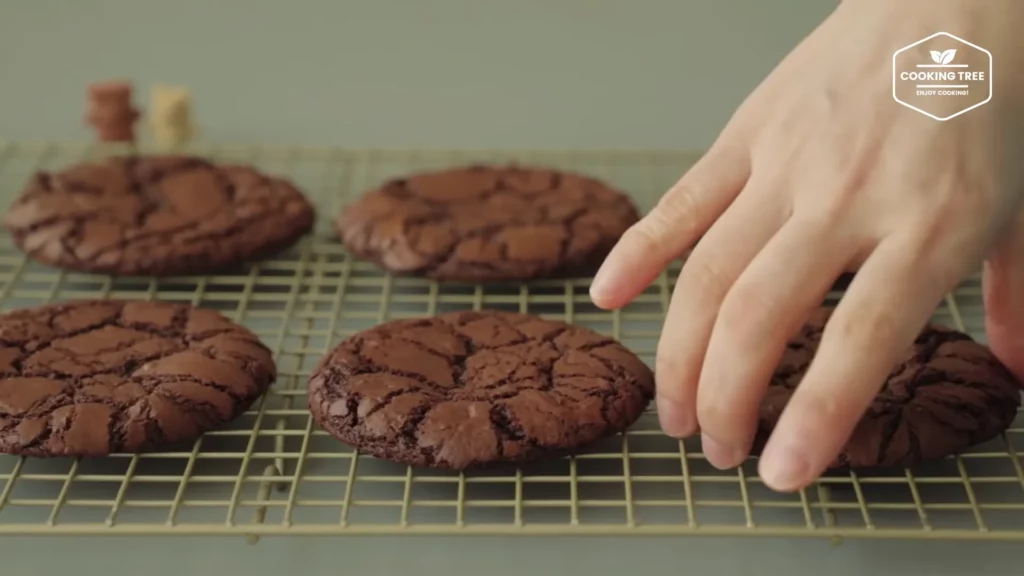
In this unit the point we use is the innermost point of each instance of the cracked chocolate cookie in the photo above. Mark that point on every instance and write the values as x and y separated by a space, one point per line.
487 223
91 378
471 389
156 216
946 394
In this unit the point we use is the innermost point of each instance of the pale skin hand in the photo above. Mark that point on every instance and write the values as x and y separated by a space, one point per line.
821 172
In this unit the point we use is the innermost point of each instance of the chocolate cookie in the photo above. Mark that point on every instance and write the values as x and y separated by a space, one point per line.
90 378
946 394
156 216
484 223
476 388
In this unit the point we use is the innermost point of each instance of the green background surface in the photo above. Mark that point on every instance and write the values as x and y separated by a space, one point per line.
392 73
436 74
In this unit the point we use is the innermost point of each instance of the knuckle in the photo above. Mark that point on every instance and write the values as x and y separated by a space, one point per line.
963 190
945 211
715 412
864 328
709 408
654 231
674 377
961 202
817 406
704 277
648 233
829 210
683 199
944 201
679 210
667 378
666 366
746 310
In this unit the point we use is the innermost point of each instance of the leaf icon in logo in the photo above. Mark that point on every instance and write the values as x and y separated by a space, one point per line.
936 56
948 55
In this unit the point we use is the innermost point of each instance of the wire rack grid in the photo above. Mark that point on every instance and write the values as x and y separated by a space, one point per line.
274 472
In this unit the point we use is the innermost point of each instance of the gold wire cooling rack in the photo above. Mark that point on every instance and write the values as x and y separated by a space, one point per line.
274 472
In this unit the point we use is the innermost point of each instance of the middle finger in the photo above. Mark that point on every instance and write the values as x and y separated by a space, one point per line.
707 274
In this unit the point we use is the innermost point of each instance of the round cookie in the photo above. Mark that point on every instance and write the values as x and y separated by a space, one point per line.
156 216
946 394
487 223
470 389
91 378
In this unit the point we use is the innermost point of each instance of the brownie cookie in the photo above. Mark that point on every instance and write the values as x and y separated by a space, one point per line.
91 378
946 394
472 389
487 223
156 216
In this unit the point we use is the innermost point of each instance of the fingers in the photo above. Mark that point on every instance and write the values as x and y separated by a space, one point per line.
765 307
1003 283
893 295
709 272
682 215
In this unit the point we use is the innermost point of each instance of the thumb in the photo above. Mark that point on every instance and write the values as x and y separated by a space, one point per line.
1003 290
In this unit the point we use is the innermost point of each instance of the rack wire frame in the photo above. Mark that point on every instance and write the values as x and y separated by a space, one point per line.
274 472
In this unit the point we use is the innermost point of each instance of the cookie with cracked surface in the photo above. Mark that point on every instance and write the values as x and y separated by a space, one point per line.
469 389
946 393
91 378
156 216
487 223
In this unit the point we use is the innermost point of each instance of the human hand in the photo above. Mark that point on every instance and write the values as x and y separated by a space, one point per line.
1003 284
821 172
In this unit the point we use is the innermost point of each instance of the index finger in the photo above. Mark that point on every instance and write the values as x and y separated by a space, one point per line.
682 215
888 302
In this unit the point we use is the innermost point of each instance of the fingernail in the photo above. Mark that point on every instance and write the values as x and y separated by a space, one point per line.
598 286
675 420
720 455
785 471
